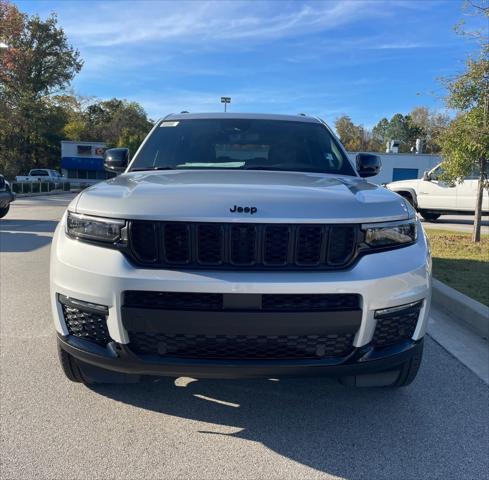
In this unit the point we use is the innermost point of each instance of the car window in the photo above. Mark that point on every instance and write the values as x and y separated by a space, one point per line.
436 173
39 173
242 144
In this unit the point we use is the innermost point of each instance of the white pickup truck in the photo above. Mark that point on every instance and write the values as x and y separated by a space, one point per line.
40 175
433 197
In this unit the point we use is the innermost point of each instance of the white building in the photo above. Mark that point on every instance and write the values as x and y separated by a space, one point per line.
83 160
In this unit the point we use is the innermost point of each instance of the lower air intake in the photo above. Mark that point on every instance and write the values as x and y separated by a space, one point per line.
85 322
396 324
245 347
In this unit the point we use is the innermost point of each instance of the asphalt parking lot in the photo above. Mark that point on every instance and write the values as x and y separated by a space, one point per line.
209 429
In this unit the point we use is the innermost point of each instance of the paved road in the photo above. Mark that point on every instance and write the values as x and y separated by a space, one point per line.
461 223
208 429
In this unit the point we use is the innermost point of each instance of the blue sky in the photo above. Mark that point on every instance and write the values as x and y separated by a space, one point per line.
364 58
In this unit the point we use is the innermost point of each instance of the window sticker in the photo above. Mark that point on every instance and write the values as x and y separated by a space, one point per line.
169 124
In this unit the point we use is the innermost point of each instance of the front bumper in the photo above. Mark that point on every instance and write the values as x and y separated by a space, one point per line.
119 358
101 275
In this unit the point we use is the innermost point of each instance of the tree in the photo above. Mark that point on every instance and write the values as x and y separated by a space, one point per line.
37 62
379 132
353 137
465 144
399 127
431 125
116 122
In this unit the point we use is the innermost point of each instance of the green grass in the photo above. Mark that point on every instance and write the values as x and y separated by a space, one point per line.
460 263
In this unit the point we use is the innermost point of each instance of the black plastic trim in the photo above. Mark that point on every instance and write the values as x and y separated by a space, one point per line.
232 322
118 357
360 251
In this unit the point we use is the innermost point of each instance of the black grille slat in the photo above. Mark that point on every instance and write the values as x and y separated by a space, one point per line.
276 245
144 241
310 302
308 244
242 346
173 300
272 302
177 243
246 246
341 247
210 244
244 240
395 327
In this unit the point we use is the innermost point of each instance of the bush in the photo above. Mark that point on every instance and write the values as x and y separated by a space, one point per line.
36 188
44 186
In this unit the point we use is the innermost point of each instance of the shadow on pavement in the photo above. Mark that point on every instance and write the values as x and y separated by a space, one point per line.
23 235
427 430
11 225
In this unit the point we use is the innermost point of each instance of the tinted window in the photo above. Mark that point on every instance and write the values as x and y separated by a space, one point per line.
40 173
242 144
84 149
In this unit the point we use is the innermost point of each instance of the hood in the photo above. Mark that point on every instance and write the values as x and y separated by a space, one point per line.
210 195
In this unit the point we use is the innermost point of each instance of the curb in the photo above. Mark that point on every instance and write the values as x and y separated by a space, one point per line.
42 194
461 308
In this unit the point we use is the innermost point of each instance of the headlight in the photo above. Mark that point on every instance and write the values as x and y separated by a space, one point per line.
388 235
97 229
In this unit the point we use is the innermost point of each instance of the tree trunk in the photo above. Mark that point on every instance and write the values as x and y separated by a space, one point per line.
476 236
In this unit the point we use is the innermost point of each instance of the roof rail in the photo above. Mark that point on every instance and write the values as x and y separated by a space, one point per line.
302 114
184 111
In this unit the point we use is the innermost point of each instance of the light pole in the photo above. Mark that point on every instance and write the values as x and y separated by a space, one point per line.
225 100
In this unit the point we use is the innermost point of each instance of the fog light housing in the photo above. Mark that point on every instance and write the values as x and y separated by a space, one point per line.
85 320
396 324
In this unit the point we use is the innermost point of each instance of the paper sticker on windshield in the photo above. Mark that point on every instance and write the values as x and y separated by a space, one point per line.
169 124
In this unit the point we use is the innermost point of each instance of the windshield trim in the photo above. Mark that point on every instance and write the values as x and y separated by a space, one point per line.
320 122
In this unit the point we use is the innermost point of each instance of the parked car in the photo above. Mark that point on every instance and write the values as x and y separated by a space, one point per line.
40 175
240 245
6 196
432 196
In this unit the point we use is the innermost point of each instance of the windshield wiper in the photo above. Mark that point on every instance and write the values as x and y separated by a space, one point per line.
276 169
152 168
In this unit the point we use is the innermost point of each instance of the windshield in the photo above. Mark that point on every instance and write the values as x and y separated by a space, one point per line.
242 144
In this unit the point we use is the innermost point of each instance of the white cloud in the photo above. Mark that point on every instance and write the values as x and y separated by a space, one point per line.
132 23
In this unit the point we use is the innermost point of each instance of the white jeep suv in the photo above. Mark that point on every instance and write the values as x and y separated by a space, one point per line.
240 245
432 196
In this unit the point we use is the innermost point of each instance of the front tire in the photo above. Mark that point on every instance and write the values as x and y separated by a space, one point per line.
81 372
70 366
4 210
409 370
401 377
431 217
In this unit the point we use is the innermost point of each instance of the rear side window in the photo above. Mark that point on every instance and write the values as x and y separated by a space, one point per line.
242 144
40 173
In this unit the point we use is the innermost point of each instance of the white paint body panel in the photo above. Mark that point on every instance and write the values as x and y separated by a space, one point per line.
207 195
100 275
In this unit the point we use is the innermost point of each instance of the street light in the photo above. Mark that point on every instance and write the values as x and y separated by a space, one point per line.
225 100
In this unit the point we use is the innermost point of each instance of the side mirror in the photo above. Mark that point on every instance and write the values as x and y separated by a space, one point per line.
116 159
368 165
426 176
